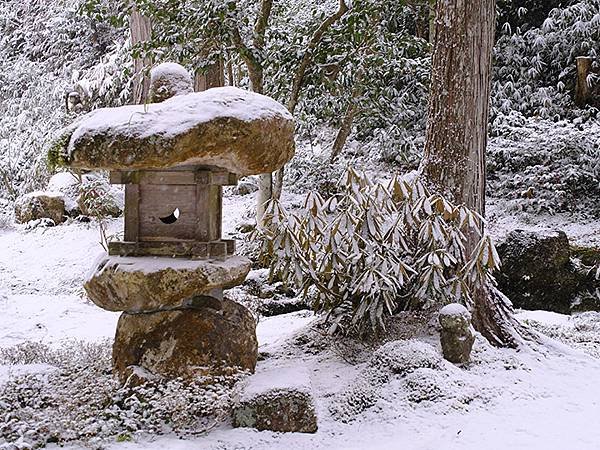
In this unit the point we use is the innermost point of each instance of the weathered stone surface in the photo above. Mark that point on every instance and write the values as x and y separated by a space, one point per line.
457 335
168 80
537 272
210 339
240 131
40 205
277 400
149 284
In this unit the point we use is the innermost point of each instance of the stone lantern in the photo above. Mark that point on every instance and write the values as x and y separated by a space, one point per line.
168 273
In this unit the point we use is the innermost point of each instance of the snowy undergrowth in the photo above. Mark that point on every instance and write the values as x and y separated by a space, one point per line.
581 331
47 50
411 374
540 166
76 398
504 392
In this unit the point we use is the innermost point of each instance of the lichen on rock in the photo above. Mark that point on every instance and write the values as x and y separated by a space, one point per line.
186 342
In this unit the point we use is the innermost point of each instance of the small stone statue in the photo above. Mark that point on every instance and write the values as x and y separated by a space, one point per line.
169 80
457 334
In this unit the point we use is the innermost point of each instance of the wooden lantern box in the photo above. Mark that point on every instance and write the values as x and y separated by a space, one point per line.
173 212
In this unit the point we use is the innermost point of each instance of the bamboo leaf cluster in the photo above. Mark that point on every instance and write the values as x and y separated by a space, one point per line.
375 249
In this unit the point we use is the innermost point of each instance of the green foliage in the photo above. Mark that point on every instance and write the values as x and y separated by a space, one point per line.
370 56
373 59
535 65
124 437
374 249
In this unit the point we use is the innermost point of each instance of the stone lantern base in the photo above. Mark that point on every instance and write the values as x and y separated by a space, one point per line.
175 322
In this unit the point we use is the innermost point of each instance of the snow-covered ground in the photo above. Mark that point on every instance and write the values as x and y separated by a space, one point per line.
544 398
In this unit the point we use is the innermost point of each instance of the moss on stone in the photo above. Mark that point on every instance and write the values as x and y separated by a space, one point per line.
56 156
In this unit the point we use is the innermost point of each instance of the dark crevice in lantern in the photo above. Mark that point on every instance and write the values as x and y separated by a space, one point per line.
171 218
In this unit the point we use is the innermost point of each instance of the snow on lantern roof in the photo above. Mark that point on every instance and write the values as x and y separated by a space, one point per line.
240 131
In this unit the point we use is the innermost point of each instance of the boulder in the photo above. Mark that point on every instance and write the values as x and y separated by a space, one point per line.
457 335
537 272
68 185
133 284
230 128
207 339
277 400
168 80
40 205
246 186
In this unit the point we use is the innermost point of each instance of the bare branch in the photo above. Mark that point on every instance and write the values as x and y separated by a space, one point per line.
307 58
255 70
261 23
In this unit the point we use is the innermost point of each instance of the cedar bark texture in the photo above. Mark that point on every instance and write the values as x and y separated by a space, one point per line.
456 139
141 30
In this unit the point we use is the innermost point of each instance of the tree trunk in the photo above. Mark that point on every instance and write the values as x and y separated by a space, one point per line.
348 120
432 4
263 195
456 138
344 131
213 77
141 30
298 80
582 88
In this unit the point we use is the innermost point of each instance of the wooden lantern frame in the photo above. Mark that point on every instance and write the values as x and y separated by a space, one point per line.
152 197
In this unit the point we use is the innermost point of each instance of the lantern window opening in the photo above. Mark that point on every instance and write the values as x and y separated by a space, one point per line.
171 218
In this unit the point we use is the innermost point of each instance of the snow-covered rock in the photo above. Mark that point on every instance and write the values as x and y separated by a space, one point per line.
40 205
67 184
90 194
279 399
168 80
187 342
133 284
237 130
537 272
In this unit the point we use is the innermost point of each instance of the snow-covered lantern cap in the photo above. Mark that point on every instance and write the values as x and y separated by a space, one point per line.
175 156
